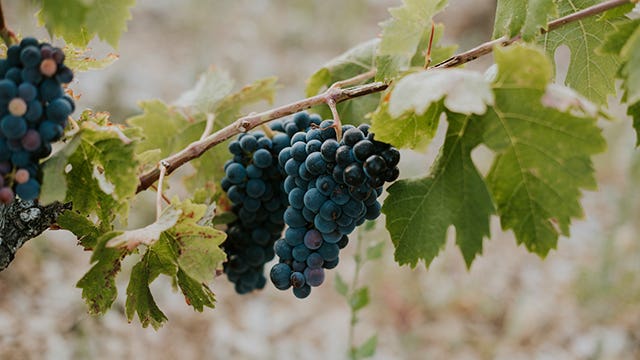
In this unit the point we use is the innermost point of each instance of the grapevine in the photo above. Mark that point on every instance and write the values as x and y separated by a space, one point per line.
297 189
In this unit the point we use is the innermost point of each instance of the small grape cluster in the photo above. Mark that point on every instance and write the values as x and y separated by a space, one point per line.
332 187
33 113
253 183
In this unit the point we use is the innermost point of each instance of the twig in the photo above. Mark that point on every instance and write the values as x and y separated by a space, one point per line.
209 126
427 57
7 35
164 197
163 170
337 94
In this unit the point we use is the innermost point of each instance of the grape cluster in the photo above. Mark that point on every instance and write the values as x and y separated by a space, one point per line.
253 183
33 114
331 188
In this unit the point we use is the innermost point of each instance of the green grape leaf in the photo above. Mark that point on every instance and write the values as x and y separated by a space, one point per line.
543 155
420 211
98 284
402 33
197 294
87 232
410 118
210 89
97 170
78 21
200 252
102 174
139 297
355 61
523 16
108 19
162 127
408 130
625 42
590 72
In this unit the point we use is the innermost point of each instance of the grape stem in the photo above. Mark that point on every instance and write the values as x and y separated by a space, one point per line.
337 93
209 126
163 169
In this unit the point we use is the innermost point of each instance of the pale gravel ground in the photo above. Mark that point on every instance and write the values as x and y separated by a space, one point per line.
581 302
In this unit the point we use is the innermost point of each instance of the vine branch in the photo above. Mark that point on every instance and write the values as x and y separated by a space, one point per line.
335 94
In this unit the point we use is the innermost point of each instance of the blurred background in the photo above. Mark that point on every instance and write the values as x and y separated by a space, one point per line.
581 302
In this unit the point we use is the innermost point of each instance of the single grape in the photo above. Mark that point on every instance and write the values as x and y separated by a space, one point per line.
313 146
313 200
344 156
30 56
391 157
299 151
313 239
236 173
64 75
297 279
352 136
14 74
300 252
324 226
315 164
302 292
280 275
262 158
13 127
34 112
283 250
294 235
50 90
314 277
354 175
8 90
330 211
27 92
362 150
17 107
6 195
58 110
31 140
254 172
48 67
256 188
315 261
374 165
296 198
